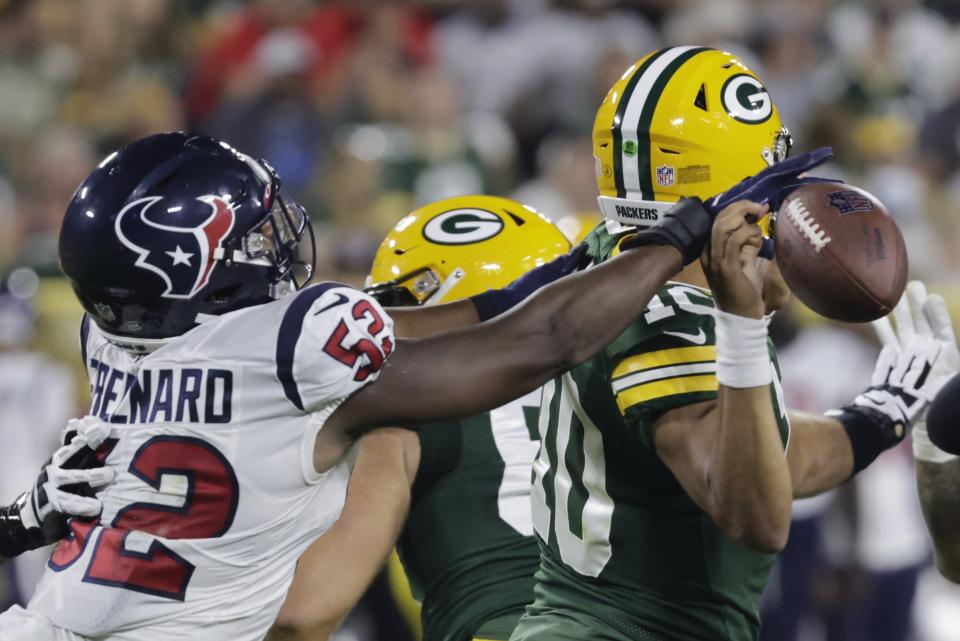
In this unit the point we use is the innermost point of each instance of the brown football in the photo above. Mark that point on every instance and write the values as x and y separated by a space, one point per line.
840 251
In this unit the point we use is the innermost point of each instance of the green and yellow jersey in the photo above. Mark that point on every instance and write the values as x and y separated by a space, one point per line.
468 545
626 554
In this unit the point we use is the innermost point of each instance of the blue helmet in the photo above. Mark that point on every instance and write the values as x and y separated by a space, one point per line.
174 228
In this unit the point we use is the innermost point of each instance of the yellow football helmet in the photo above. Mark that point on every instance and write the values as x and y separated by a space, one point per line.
682 121
458 247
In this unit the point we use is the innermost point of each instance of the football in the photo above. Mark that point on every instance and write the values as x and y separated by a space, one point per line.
840 251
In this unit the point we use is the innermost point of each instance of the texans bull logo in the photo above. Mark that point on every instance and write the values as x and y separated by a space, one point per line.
182 256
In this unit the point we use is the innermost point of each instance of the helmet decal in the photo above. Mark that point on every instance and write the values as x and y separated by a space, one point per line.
462 227
182 256
746 99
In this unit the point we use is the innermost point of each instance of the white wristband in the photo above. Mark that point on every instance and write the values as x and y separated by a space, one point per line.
924 449
743 358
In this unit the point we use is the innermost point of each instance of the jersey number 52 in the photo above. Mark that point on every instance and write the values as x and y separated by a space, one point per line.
125 555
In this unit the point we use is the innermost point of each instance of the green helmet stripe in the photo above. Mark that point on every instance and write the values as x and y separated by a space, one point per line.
618 118
641 105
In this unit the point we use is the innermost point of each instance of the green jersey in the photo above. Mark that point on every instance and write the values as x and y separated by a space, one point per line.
615 526
468 545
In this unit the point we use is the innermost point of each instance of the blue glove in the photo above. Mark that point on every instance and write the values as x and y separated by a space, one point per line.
772 184
494 302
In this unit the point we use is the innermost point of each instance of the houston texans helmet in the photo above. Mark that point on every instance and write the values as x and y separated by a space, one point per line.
175 228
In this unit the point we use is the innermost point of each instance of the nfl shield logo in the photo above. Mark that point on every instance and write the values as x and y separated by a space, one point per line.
665 175
849 201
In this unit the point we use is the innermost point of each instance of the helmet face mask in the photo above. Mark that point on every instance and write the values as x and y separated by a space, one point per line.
176 228
283 242
416 288
782 145
458 247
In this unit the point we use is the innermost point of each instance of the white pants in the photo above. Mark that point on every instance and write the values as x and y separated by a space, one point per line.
17 624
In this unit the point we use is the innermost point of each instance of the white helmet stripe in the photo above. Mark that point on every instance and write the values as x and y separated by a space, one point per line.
631 118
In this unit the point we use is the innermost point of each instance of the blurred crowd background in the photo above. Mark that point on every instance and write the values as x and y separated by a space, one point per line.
369 108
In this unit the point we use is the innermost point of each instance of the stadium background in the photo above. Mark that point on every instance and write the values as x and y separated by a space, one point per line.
368 108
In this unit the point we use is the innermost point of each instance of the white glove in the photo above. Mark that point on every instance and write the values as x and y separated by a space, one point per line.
52 499
899 387
923 322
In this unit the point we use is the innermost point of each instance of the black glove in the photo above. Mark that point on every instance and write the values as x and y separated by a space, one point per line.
62 490
685 226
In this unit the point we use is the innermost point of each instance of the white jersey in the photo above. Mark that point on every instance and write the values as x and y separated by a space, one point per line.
216 496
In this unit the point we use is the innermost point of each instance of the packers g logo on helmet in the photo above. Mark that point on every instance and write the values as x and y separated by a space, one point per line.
746 99
681 122
459 247
462 227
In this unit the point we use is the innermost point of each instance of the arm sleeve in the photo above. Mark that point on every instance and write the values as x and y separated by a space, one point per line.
332 341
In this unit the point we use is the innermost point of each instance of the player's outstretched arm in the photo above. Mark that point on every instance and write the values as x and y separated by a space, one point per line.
768 186
825 451
727 454
416 322
338 567
477 368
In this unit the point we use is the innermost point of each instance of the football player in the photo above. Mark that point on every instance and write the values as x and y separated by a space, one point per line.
663 486
467 547
232 392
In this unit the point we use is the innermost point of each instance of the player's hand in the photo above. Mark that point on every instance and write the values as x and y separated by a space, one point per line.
900 384
731 259
923 319
62 490
899 392
923 316
771 185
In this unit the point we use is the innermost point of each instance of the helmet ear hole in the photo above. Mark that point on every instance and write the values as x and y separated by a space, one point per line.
701 100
